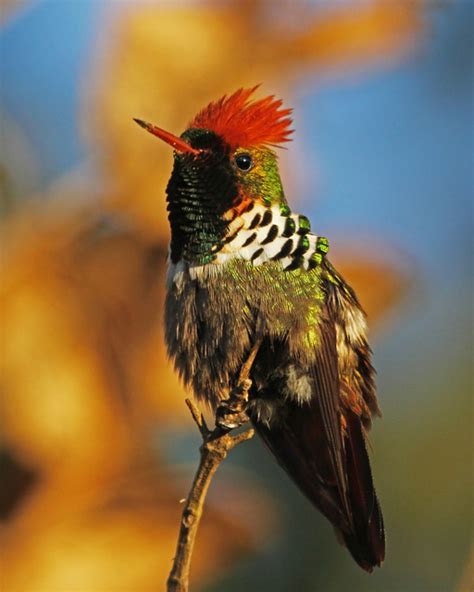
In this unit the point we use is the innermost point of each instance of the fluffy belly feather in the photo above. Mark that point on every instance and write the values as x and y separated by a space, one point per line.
211 317
208 330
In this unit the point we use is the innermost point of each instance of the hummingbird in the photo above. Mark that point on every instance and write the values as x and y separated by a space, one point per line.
244 267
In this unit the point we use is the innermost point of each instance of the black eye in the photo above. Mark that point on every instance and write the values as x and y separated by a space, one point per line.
244 161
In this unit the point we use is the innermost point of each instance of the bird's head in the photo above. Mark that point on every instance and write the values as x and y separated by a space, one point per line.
224 166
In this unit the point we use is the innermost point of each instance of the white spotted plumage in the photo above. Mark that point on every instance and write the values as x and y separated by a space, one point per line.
263 234
260 235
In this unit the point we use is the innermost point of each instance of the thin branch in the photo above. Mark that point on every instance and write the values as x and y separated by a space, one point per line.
216 444
198 418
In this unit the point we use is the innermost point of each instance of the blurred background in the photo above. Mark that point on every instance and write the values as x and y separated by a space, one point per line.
96 445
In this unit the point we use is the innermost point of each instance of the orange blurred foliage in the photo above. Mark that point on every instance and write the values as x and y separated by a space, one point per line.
125 541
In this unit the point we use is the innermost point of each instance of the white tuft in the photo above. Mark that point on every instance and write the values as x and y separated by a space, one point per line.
298 385
263 410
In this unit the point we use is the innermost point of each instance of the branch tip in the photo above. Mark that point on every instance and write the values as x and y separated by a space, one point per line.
198 418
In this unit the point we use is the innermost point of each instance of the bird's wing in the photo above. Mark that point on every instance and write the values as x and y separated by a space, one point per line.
322 447
356 373
325 376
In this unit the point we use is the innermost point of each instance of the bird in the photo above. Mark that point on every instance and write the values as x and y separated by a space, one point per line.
243 268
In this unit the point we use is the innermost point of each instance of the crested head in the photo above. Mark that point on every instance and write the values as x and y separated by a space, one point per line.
241 122
226 177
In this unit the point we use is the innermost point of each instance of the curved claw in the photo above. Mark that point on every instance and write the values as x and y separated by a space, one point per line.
232 413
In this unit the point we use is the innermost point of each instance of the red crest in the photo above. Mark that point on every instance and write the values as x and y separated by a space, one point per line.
242 122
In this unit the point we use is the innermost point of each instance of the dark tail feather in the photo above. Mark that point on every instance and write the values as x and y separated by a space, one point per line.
301 448
366 542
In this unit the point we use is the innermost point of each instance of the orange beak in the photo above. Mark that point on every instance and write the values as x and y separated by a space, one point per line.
177 143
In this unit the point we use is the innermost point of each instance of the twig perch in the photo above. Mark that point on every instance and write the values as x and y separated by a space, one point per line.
215 446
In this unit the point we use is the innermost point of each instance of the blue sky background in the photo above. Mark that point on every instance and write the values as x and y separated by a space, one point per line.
43 53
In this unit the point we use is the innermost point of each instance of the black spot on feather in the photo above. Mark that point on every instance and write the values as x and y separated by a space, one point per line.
257 254
267 218
285 250
255 221
272 234
250 239
290 227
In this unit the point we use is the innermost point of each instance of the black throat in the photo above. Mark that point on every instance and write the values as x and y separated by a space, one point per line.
201 189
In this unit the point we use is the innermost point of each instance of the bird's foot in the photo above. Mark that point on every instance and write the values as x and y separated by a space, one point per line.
232 413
